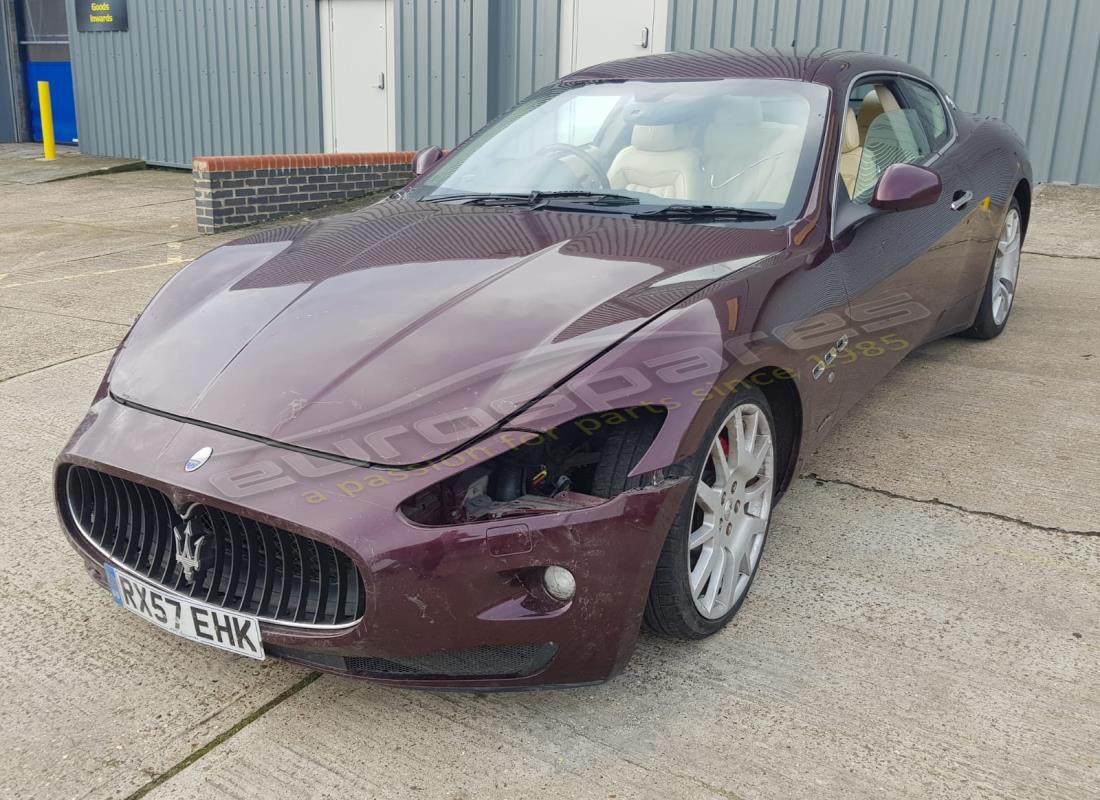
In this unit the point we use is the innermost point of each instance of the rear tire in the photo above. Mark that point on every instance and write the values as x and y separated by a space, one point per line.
999 293
738 508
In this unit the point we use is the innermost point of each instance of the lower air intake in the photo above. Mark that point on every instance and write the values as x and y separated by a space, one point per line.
489 661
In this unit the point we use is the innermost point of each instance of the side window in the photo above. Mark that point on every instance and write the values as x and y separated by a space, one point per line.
930 110
857 95
893 137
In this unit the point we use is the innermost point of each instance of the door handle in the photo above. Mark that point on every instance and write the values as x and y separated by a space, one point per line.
959 201
645 38
381 81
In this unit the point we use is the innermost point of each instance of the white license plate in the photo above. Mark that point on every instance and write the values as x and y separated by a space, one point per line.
184 617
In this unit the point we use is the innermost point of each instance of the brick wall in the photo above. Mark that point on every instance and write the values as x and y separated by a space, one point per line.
231 191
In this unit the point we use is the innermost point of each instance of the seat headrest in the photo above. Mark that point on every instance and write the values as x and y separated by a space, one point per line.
660 138
851 132
878 100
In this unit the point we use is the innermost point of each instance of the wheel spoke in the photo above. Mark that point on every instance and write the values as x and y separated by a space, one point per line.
760 457
744 561
753 526
748 423
710 499
721 463
719 566
759 490
701 535
1010 239
1002 300
1006 266
702 569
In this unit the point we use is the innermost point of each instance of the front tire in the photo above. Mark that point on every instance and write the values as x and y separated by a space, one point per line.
711 555
1000 287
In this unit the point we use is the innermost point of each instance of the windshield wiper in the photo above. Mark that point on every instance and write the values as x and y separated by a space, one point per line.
704 212
469 198
587 198
536 199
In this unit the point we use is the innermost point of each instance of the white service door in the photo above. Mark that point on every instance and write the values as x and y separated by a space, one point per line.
604 30
357 82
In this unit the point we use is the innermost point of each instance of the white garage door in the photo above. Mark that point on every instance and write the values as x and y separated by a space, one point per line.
355 56
603 30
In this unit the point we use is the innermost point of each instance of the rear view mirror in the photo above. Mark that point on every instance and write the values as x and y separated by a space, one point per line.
906 186
425 159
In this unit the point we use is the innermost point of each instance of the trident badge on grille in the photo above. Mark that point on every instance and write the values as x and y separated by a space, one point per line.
188 548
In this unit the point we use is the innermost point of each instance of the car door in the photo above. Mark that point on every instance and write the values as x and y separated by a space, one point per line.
965 266
901 269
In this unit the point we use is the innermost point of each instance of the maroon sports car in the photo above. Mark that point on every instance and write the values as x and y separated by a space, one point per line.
476 435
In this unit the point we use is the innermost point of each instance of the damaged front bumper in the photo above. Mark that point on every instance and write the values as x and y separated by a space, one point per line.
455 606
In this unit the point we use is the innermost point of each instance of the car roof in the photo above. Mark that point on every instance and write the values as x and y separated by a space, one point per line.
832 67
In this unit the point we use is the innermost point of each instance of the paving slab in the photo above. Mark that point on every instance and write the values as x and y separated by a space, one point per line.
889 648
117 287
1063 221
1009 426
93 705
52 241
174 217
25 164
32 340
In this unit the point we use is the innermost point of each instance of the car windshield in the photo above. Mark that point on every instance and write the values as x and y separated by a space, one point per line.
744 143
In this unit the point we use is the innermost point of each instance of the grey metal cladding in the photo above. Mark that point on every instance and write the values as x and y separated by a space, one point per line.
201 77
461 62
1032 63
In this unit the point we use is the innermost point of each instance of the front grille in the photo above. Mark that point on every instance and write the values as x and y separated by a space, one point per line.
244 565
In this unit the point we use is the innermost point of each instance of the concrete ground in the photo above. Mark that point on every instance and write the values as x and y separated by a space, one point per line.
926 622
24 163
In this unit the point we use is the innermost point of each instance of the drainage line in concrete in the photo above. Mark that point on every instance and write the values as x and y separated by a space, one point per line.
224 736
935 501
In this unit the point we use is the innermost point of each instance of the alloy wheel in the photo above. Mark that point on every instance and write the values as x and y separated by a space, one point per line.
1006 267
733 501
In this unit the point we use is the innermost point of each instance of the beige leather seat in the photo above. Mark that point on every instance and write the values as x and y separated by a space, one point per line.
876 101
851 152
747 160
660 160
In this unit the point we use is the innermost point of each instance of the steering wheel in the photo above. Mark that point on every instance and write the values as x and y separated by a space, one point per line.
594 168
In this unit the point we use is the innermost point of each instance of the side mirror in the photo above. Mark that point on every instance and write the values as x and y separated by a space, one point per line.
899 188
906 186
425 159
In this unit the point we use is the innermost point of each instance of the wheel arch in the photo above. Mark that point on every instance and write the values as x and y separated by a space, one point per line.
1022 193
785 402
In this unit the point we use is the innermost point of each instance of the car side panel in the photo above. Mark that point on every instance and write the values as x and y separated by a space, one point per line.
995 161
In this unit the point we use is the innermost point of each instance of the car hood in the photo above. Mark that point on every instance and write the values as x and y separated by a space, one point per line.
399 333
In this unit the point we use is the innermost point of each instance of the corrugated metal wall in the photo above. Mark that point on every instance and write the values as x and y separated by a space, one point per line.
524 50
441 59
10 118
200 77
461 62
1031 62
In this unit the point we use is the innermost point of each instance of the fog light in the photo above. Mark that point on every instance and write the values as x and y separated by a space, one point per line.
559 582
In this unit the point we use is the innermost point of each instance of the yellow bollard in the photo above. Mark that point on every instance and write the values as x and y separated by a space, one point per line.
45 109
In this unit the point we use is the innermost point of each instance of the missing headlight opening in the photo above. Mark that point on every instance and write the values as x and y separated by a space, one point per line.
578 464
